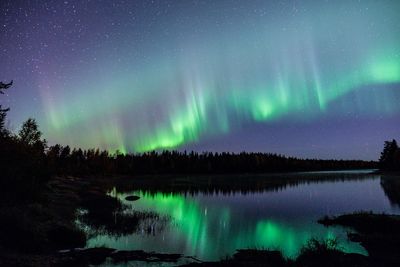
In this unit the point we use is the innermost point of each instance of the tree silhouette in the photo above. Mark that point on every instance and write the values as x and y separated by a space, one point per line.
30 134
4 86
3 112
390 156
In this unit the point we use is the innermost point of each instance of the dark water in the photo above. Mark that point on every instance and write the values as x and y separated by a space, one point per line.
211 225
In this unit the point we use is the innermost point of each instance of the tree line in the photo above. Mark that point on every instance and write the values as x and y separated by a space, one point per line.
27 160
77 161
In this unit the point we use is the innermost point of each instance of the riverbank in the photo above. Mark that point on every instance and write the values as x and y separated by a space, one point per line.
46 233
32 233
315 254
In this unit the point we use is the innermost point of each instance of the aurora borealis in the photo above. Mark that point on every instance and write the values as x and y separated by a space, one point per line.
303 78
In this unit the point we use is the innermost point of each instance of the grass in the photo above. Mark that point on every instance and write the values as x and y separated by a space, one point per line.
106 214
315 253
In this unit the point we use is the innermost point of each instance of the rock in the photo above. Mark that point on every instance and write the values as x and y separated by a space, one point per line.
83 257
96 256
132 198
140 255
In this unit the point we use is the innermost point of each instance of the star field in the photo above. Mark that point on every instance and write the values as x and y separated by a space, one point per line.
303 78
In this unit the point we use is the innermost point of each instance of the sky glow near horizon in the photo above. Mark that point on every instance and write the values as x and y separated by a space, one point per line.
187 74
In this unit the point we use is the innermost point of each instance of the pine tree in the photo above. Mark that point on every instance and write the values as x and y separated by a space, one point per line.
29 133
3 112
388 159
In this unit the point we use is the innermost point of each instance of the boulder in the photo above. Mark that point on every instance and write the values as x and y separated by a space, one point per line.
132 198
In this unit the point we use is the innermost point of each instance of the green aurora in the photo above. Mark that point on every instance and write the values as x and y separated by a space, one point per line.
298 66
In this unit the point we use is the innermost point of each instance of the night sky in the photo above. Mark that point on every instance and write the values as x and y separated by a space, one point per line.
317 79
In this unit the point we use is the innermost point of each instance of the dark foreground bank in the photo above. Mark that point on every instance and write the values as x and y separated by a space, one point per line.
379 234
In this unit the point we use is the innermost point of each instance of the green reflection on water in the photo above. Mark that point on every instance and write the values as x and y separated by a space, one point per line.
211 232
287 238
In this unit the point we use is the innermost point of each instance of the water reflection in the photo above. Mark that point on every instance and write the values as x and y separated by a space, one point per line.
213 223
232 184
391 186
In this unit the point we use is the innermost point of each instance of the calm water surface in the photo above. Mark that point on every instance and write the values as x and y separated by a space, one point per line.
211 226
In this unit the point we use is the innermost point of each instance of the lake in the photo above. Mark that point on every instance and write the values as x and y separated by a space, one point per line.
211 224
